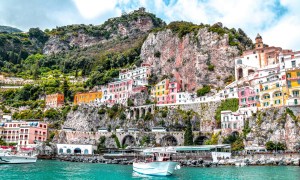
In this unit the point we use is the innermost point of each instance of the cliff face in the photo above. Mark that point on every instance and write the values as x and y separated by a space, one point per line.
188 58
275 125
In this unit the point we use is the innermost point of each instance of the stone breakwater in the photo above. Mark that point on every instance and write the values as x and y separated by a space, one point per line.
263 161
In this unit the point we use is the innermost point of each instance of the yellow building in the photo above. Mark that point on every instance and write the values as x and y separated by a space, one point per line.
293 83
160 91
273 94
87 98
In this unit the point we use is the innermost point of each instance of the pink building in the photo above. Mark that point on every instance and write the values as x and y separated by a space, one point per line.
25 134
174 88
247 97
118 92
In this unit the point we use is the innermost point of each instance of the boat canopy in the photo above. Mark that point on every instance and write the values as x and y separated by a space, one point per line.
160 150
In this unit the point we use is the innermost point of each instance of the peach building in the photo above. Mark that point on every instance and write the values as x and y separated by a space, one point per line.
87 98
54 100
24 134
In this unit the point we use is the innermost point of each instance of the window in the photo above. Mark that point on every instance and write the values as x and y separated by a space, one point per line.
298 81
266 104
243 93
61 151
293 63
289 83
298 74
277 84
234 126
295 93
69 151
277 101
86 151
288 75
295 101
266 88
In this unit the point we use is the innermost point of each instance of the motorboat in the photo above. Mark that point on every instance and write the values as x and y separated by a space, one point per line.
7 157
156 162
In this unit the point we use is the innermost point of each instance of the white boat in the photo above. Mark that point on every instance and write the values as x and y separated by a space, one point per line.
8 158
159 162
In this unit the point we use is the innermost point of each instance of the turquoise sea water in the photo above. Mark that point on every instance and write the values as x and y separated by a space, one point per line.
46 169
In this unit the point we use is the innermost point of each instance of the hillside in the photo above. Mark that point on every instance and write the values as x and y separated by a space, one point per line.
197 55
79 50
9 29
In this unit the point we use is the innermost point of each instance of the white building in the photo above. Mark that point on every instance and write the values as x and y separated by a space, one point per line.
231 121
183 97
140 75
75 149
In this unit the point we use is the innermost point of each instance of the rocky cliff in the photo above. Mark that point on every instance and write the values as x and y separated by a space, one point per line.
277 125
200 55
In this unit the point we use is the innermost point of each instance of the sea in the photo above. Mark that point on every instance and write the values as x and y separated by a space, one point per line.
52 169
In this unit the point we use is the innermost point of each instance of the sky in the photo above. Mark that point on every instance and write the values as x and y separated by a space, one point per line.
278 21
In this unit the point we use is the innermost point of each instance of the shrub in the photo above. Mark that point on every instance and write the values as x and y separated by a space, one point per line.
157 54
211 67
74 108
101 111
204 90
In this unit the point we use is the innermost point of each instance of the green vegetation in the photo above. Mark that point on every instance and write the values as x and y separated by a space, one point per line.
246 129
101 144
116 140
211 67
213 140
236 142
227 104
202 91
145 140
188 133
272 146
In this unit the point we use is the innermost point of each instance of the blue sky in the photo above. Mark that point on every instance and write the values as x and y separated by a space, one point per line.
278 21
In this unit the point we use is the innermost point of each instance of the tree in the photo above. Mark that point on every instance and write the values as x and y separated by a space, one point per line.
188 133
65 89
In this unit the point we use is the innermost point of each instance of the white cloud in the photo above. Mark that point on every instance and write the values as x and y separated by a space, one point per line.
90 9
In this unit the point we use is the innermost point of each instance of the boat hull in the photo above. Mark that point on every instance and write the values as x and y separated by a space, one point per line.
164 168
17 159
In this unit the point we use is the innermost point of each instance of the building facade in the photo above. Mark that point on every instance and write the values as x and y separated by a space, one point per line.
24 134
87 98
54 100
231 122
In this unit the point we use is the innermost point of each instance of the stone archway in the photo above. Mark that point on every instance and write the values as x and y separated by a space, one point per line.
128 140
200 140
168 140
77 151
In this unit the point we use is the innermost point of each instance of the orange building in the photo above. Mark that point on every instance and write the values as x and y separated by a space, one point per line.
87 98
54 100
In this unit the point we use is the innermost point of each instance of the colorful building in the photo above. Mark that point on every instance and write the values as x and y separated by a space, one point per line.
160 92
24 134
54 100
174 88
247 97
292 67
260 57
87 98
